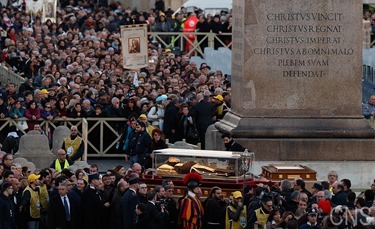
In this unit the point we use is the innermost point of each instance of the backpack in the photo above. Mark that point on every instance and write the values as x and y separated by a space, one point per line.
155 113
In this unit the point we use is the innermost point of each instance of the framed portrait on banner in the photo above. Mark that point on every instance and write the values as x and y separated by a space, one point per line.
134 42
49 10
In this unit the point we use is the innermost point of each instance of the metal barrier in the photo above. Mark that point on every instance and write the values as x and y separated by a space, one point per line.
100 134
8 76
195 40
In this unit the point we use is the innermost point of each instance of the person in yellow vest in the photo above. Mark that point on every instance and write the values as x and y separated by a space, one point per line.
259 217
30 206
44 180
61 161
220 107
73 145
236 215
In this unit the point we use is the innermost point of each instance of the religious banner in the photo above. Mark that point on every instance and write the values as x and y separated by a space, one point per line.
34 7
134 42
49 10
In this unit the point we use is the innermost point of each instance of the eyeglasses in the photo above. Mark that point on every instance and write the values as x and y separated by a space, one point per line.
48 107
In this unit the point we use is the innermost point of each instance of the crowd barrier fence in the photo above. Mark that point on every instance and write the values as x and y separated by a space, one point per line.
196 41
101 135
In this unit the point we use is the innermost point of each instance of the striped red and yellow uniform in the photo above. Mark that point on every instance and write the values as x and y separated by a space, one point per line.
191 213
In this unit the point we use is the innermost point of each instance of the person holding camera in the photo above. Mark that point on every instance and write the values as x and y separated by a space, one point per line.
160 195
236 214
171 207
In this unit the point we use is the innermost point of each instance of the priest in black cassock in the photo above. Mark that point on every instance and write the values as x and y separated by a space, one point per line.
92 205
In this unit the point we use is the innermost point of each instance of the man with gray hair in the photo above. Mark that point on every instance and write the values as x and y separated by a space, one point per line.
114 110
63 210
292 205
88 110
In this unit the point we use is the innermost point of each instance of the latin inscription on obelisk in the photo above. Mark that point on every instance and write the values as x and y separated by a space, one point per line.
297 58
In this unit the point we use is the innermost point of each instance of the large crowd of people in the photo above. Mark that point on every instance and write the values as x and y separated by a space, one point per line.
73 68
56 197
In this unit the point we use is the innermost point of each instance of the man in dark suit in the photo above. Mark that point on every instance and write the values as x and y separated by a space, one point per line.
92 205
203 114
156 219
171 119
63 211
129 202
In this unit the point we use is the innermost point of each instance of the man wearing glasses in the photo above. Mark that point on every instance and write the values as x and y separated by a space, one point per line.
260 215
332 178
73 145
61 162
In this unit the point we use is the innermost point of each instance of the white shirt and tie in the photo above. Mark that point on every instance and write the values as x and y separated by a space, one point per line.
65 201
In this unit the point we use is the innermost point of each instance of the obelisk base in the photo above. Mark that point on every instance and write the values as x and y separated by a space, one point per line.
309 139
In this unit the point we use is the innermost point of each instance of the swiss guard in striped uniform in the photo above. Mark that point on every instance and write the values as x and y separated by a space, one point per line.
191 208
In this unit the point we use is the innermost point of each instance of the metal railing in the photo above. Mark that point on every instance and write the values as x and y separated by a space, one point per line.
195 40
100 134
8 76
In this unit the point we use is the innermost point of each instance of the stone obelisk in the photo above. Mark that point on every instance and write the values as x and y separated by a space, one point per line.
296 80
